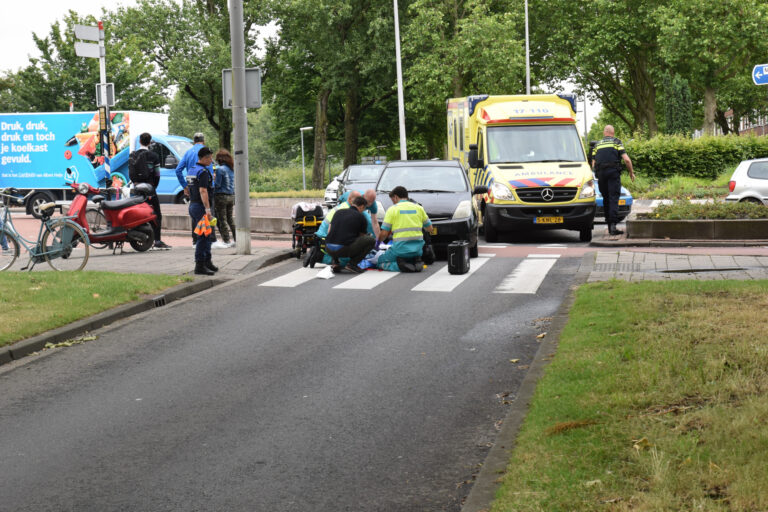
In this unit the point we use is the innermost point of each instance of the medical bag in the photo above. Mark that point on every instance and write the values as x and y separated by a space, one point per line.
458 257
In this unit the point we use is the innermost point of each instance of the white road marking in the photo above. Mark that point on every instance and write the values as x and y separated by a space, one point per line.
442 281
543 255
293 279
528 276
494 246
367 281
485 255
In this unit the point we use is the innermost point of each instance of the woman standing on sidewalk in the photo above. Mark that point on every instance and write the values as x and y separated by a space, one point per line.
224 198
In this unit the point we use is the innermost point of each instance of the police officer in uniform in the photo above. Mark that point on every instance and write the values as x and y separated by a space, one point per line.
200 183
606 162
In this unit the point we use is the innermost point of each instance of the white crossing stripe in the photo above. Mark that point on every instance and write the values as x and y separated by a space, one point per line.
528 276
366 281
542 255
293 279
442 281
486 255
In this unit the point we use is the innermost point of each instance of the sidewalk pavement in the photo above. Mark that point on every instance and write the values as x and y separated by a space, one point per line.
180 259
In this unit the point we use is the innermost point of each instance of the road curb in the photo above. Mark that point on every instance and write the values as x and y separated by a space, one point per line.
495 465
652 242
28 346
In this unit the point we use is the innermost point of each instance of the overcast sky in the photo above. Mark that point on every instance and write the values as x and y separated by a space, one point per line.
25 17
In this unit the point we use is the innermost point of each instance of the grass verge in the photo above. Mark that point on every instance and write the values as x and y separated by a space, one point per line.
678 187
655 400
35 302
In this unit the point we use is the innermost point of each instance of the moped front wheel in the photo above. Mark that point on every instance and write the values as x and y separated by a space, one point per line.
65 246
9 255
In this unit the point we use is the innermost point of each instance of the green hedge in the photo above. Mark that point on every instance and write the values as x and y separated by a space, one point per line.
706 157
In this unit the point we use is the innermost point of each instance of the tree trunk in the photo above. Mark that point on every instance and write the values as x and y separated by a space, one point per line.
350 127
710 105
722 121
321 136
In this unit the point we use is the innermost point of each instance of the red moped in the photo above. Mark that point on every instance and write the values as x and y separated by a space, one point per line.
130 219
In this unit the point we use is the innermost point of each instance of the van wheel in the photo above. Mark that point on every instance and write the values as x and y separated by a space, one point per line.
37 200
585 234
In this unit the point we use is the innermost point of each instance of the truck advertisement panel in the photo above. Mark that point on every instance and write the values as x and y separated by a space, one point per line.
37 149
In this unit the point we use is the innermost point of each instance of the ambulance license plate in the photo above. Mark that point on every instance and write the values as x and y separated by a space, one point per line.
547 220
622 202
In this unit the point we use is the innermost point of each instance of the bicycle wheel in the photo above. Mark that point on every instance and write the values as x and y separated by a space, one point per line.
96 222
8 256
65 246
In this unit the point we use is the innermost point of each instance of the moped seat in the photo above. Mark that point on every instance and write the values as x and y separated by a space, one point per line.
122 203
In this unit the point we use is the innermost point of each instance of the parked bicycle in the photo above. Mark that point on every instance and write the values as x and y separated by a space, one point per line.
60 241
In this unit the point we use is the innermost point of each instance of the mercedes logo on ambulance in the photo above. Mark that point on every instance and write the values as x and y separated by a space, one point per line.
547 194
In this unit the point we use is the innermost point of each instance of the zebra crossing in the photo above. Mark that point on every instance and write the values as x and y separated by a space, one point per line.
526 278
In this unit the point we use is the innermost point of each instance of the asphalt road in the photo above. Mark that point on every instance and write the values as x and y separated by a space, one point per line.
256 397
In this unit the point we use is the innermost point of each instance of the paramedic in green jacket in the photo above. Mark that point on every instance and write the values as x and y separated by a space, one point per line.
405 221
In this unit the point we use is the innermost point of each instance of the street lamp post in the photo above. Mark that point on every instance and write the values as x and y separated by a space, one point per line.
527 54
400 100
303 172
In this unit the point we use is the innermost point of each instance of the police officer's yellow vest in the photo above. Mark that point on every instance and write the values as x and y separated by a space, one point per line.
407 221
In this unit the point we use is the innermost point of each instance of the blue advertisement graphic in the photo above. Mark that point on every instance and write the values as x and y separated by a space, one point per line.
37 149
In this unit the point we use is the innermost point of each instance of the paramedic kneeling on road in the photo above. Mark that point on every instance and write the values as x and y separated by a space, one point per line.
347 236
405 221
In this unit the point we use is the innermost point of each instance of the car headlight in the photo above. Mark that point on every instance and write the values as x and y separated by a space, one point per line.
587 190
379 211
463 210
501 191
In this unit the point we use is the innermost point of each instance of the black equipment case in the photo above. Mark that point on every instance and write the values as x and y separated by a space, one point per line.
458 257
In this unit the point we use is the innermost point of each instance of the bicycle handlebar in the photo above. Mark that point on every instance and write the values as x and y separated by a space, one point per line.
8 192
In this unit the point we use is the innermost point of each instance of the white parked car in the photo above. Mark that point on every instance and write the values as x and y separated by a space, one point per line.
332 190
749 182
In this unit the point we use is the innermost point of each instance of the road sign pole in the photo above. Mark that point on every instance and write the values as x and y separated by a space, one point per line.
240 124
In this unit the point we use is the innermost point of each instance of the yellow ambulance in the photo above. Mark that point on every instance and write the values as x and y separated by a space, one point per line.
526 161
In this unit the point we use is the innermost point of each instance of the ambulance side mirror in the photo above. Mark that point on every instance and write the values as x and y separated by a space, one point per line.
480 190
474 161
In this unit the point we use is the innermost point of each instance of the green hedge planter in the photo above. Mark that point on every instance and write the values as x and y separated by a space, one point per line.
748 229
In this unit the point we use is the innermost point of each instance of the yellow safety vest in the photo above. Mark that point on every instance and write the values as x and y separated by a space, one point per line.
405 220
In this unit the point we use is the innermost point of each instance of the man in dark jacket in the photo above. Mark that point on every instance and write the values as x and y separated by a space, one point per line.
348 236
152 161
606 162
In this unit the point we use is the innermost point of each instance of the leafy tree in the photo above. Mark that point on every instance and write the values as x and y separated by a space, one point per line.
699 40
189 44
608 48
453 50
331 67
677 105
59 77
